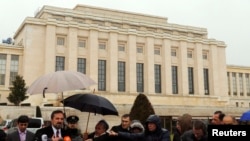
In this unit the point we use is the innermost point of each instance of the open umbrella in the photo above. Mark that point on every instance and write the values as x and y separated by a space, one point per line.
91 103
60 81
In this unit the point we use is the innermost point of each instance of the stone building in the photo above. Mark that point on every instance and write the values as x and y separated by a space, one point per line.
178 67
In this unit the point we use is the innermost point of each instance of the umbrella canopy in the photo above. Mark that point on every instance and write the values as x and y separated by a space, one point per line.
245 116
60 81
90 103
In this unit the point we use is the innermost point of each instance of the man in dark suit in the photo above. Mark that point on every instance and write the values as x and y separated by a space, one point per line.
55 131
21 134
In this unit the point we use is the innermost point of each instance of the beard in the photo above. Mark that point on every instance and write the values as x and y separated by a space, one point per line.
58 125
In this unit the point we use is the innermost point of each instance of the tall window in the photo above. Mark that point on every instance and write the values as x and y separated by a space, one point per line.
14 67
206 81
247 84
241 83
2 68
139 76
101 75
81 65
174 80
121 76
60 60
234 83
190 80
157 78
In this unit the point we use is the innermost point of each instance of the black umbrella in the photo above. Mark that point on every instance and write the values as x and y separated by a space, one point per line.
91 103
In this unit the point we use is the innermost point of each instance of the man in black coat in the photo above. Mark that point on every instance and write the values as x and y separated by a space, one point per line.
198 133
123 127
55 130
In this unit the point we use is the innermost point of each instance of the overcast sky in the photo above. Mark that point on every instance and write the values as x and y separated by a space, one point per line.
225 20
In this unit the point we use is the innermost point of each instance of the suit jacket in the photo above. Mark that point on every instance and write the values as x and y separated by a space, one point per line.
14 136
49 132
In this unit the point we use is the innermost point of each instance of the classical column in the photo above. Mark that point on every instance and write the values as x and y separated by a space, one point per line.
166 67
149 75
92 59
198 70
182 68
131 70
72 49
50 48
112 76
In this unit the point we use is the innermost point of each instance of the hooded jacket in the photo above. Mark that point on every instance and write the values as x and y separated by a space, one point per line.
159 134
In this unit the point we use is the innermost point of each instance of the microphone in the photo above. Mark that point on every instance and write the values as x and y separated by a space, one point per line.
44 137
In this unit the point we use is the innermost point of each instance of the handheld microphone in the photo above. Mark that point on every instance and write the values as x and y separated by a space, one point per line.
44 137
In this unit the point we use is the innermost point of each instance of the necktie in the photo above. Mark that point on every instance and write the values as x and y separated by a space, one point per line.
57 133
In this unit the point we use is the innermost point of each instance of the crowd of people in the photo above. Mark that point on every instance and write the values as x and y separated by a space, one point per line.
186 129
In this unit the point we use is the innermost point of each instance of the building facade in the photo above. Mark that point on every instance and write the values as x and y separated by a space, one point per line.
178 67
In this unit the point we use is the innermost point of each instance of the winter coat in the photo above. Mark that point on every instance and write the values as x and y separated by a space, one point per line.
160 134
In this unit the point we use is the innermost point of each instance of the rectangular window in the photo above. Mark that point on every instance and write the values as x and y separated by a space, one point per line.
102 75
102 45
81 65
234 83
174 80
241 84
157 51
60 41
190 54
121 76
204 55
206 81
14 64
139 50
247 84
3 58
139 76
60 60
173 53
121 47
191 80
82 43
157 78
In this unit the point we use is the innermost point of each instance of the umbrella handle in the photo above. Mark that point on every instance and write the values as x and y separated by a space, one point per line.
86 131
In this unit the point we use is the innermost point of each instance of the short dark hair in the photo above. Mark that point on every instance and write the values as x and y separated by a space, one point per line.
220 113
23 119
56 112
125 116
199 124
